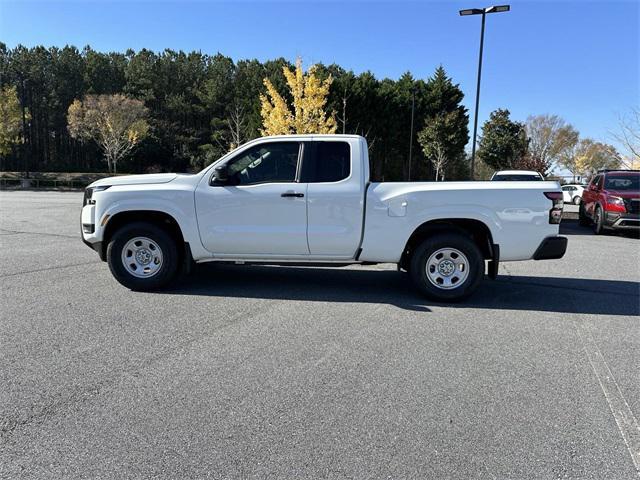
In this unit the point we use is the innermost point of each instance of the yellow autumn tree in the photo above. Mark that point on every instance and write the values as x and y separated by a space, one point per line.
309 95
591 156
11 121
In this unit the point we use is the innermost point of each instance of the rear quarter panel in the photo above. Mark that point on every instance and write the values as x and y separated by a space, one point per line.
516 213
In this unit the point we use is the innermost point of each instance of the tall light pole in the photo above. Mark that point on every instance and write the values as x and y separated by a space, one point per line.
483 12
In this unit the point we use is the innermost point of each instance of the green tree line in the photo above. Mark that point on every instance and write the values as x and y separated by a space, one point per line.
179 111
199 106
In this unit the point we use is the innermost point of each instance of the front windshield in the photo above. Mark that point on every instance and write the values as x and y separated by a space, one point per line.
516 178
622 182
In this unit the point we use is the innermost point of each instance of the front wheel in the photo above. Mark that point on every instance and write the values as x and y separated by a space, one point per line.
576 200
447 267
598 221
583 220
142 256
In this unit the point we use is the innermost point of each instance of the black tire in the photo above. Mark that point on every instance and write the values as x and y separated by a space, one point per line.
170 258
583 220
576 200
598 221
430 246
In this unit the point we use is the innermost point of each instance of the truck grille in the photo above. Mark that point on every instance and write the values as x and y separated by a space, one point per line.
632 205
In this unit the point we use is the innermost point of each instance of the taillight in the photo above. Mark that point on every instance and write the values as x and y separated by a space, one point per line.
555 214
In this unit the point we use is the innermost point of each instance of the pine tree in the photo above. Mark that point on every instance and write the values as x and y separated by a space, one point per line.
438 139
445 132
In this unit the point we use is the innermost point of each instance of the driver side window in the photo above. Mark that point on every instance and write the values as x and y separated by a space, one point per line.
275 162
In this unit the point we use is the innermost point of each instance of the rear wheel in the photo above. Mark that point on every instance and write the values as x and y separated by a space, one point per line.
576 200
142 256
447 267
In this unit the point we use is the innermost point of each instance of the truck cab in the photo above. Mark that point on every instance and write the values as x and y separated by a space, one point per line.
285 198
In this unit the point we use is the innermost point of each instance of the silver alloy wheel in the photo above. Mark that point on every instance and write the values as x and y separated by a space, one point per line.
447 268
142 257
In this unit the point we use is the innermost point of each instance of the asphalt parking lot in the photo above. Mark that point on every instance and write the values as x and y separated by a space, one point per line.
267 372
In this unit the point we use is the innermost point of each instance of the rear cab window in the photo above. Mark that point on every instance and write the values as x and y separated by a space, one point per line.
516 178
326 162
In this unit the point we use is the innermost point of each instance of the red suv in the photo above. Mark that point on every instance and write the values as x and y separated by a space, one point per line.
612 201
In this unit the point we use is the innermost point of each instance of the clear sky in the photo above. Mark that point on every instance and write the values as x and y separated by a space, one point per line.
577 59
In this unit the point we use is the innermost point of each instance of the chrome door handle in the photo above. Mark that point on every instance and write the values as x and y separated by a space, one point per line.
292 194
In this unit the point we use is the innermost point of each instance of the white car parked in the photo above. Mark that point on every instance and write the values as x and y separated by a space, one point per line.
307 199
572 193
517 176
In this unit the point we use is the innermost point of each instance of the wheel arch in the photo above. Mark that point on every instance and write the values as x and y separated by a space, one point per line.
477 230
156 217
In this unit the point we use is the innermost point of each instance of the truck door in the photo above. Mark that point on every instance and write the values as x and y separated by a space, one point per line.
335 197
261 209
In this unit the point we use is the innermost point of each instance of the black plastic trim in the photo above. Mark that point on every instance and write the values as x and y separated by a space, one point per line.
188 263
364 216
97 247
551 248
494 263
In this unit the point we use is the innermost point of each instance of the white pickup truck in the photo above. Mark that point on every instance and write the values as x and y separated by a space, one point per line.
307 199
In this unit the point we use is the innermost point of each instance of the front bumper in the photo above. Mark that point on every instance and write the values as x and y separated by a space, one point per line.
97 246
88 230
551 248
622 221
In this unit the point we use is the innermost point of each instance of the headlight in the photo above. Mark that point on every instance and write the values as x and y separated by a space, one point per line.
614 204
88 194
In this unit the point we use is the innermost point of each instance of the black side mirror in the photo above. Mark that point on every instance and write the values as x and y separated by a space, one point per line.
221 174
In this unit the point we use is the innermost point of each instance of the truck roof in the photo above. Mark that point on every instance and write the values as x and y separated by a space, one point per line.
314 135
517 172
620 172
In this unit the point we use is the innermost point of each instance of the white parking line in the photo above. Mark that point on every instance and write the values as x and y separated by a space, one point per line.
626 421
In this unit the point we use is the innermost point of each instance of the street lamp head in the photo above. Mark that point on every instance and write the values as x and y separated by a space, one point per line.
498 9
471 11
480 11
